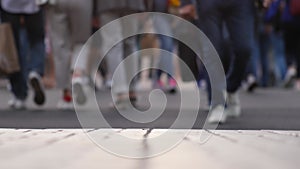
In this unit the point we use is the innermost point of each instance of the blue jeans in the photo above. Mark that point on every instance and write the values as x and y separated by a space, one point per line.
32 59
238 16
162 25
166 62
279 55
253 64
274 40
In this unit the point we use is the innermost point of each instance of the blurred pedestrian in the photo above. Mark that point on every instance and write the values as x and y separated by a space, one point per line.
110 10
161 24
70 27
273 38
238 17
268 70
291 26
26 14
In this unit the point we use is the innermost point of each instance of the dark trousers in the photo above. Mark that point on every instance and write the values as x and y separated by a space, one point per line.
238 16
292 44
34 26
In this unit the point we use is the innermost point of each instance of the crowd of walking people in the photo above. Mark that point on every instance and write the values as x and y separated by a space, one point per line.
258 42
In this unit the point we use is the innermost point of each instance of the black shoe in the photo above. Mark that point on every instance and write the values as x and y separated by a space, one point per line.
35 83
252 87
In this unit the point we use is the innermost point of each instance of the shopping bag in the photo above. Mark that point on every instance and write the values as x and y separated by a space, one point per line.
9 62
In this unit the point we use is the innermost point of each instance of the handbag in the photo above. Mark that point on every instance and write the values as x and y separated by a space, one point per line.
9 62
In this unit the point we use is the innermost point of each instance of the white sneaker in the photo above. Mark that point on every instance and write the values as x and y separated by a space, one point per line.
78 91
11 103
17 104
217 115
36 84
233 105
290 77
251 84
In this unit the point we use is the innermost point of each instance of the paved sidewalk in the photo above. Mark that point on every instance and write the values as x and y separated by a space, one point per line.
71 149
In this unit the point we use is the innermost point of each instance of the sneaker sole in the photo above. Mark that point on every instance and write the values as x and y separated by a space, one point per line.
39 95
79 93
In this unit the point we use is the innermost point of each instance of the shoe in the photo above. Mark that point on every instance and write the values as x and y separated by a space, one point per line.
217 115
252 87
20 105
251 84
17 104
11 103
66 102
233 108
290 78
172 86
36 84
78 91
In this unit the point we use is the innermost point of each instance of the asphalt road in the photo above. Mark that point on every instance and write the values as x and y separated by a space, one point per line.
266 109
